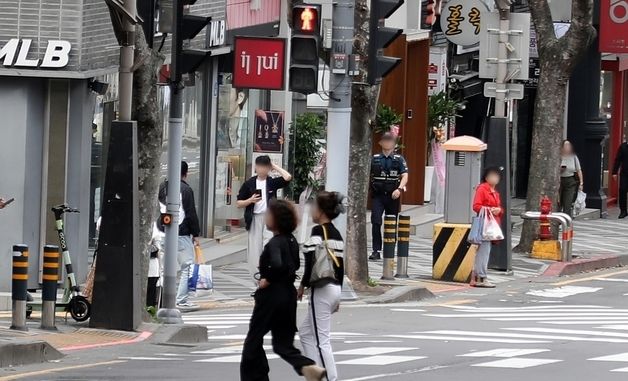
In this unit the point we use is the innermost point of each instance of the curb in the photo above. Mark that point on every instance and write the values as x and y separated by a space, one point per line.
580 265
184 334
27 352
401 294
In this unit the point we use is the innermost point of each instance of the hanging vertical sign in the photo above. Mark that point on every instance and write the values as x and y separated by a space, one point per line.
460 21
259 63
614 26
437 71
268 131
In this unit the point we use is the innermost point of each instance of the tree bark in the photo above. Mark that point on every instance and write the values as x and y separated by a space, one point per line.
363 106
557 58
149 137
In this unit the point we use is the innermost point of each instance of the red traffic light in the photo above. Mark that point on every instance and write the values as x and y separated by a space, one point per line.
305 19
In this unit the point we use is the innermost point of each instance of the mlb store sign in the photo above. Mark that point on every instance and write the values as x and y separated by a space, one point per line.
15 52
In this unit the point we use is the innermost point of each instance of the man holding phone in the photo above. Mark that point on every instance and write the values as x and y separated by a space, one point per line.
254 196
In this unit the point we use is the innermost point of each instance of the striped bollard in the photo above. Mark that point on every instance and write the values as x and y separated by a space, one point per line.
19 287
50 277
390 241
403 246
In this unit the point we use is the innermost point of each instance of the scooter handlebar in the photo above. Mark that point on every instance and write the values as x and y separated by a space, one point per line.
64 209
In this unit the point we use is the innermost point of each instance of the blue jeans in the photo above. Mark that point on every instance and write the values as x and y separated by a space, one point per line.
185 258
482 256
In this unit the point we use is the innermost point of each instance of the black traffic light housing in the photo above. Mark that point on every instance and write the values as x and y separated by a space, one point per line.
186 28
304 48
381 37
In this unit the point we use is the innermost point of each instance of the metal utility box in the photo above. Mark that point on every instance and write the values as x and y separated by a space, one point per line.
464 163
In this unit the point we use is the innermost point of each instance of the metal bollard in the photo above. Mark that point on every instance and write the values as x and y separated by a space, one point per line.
19 286
390 239
403 246
50 277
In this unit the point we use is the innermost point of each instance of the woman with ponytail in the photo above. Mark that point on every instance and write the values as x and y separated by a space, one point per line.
323 275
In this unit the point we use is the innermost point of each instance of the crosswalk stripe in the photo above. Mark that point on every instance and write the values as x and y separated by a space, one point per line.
497 316
605 338
472 339
569 331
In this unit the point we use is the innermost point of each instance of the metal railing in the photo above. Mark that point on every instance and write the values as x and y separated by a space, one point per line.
566 223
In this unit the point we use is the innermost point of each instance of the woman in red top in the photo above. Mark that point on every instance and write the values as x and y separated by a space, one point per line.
486 196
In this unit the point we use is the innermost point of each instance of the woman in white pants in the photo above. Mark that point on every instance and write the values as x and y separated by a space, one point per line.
323 275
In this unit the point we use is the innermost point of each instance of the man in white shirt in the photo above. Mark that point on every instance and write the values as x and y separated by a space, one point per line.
253 197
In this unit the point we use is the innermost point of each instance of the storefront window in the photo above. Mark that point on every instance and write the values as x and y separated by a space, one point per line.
234 137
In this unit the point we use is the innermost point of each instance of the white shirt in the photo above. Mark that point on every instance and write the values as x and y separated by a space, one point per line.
260 207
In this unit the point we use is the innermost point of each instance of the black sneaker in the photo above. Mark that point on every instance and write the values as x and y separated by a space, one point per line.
375 256
623 215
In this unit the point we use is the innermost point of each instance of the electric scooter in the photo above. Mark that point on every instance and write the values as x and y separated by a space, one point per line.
73 301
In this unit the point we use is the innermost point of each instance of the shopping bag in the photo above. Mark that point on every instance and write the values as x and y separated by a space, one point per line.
193 277
205 280
198 255
580 204
491 231
477 226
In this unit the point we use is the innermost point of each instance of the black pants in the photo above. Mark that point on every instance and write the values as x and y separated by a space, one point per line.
382 204
151 292
568 193
623 191
275 311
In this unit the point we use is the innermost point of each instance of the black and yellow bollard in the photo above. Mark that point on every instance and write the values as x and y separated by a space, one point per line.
19 291
50 277
403 246
390 241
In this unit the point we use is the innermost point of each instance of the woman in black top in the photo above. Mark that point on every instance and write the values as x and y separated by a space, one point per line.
276 301
324 272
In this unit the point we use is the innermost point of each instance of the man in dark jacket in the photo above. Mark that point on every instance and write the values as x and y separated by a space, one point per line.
621 168
189 231
254 196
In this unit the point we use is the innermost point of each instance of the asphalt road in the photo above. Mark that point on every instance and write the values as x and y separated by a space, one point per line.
541 329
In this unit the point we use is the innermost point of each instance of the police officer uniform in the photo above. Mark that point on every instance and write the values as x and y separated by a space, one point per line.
386 174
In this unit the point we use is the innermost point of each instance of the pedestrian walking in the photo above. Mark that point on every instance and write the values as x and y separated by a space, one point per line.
189 231
570 177
323 275
487 198
254 197
620 167
389 176
275 308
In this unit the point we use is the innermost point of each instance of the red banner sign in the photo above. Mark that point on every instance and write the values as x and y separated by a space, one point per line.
614 26
259 63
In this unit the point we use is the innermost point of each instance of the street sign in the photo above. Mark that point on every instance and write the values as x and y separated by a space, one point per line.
519 49
460 20
512 90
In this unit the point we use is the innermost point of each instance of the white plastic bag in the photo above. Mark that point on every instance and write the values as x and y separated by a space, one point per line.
491 231
205 279
580 204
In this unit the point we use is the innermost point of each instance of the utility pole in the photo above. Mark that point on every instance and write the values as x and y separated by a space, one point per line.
183 61
127 53
339 109
498 139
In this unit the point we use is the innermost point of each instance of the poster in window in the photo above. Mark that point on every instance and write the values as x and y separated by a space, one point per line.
268 131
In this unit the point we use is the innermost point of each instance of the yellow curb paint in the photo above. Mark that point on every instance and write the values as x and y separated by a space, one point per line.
609 275
55 370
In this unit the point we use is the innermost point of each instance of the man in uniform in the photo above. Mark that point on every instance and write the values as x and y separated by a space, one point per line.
389 176
620 168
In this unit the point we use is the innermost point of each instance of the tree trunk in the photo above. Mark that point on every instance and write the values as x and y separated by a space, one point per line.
363 105
149 138
363 101
544 178
557 58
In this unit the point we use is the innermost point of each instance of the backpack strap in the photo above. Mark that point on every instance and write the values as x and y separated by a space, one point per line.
329 251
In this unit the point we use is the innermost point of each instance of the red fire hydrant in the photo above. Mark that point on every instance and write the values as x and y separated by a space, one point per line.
545 231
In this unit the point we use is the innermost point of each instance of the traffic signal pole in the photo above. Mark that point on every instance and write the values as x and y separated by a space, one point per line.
169 314
339 109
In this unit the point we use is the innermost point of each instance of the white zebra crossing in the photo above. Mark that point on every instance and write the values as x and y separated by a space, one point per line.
215 322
